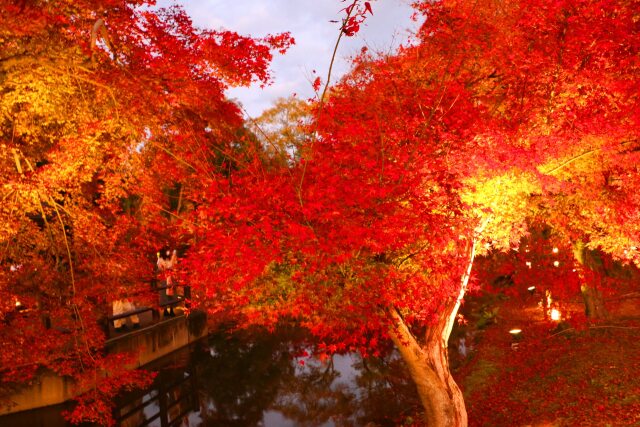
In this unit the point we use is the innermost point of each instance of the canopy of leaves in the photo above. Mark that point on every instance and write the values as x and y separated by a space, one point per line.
106 108
115 136
475 124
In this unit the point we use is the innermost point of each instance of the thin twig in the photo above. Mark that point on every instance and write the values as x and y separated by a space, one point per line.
333 55
324 91
579 156
66 244
259 128
172 155
71 268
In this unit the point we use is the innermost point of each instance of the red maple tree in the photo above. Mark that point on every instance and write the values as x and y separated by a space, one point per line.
116 136
111 113
371 236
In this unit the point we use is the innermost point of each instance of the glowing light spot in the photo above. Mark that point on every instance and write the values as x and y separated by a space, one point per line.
531 288
18 304
515 331
528 263
555 250
555 314
556 263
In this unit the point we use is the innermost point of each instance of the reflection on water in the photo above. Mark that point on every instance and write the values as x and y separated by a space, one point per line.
257 379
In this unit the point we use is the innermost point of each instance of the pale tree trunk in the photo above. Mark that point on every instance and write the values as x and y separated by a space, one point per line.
429 369
428 363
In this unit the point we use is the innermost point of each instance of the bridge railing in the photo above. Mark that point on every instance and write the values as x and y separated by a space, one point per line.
173 301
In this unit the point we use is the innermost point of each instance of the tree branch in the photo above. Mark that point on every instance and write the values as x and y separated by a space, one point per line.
579 156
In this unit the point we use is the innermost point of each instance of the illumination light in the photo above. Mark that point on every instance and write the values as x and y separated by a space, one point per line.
555 250
531 289
515 338
555 315
528 264
18 304
556 263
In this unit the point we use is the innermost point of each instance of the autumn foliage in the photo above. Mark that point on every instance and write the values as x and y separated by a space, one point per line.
116 137
111 113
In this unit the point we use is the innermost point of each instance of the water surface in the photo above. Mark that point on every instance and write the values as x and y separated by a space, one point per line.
255 378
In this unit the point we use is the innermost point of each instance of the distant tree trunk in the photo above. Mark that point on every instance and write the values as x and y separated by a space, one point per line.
594 306
428 362
593 301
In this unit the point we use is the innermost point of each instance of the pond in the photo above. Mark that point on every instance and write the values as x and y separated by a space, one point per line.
255 378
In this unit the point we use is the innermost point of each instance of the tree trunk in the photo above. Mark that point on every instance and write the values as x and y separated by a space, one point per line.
593 301
428 365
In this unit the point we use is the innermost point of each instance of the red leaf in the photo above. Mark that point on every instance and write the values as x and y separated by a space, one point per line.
316 84
367 7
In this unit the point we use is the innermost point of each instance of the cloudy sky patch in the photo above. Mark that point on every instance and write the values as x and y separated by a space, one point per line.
309 23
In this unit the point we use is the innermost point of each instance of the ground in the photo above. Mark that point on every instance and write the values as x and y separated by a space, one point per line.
568 373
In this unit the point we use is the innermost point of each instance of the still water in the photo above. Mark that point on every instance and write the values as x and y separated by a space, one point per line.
255 378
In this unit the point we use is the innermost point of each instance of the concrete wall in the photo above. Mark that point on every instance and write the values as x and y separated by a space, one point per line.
148 344
153 342
50 389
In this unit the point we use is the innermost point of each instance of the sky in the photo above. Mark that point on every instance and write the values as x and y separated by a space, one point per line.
308 21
